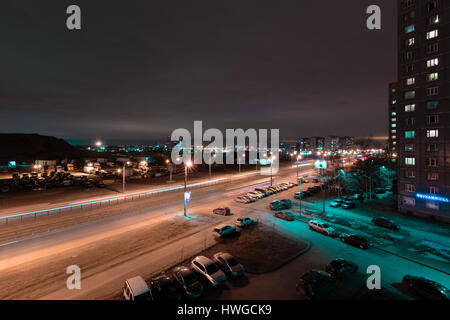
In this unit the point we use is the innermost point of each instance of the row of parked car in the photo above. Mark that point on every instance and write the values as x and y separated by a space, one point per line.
34 180
262 192
317 284
184 282
308 192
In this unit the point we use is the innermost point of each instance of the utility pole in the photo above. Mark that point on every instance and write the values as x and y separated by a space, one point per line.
186 166
123 179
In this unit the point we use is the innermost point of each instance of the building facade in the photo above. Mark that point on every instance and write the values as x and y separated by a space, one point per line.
423 108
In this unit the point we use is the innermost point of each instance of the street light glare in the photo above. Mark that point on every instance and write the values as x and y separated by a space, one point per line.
189 164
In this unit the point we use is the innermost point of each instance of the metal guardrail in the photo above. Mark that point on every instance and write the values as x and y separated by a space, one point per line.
19 217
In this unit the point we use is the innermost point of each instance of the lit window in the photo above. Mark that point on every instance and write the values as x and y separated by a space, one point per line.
394 137
432 34
433 176
410 187
394 119
432 76
394 131
433 19
410 81
409 134
432 133
432 62
432 205
394 113
433 190
410 107
409 29
410 202
410 161
393 125
410 42
410 94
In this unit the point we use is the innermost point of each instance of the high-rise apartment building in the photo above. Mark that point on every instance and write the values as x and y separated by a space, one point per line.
423 107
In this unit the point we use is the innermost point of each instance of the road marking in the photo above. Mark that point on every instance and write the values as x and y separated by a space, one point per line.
8 243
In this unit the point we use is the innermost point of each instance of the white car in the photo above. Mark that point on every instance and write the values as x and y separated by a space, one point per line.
321 227
244 222
229 264
243 199
256 194
208 269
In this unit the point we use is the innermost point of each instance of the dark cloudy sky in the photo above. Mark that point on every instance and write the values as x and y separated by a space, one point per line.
139 69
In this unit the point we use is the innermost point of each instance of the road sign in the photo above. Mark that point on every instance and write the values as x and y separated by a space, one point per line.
320 164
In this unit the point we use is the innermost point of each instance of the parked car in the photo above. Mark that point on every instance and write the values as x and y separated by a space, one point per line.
164 288
388 188
316 284
317 189
357 196
285 215
228 264
188 282
256 194
243 199
287 203
276 205
380 191
336 203
321 227
244 222
348 205
355 240
209 270
312 190
136 289
300 195
386 223
340 268
223 211
225 230
426 288
263 191
252 196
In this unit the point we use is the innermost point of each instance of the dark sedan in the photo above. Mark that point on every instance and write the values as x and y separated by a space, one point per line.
425 288
386 223
188 282
285 216
356 241
224 211
164 288
340 268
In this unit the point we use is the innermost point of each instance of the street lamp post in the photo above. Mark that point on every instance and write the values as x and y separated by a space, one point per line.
186 166
271 163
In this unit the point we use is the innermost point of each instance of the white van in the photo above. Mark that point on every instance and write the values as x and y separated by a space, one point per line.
136 289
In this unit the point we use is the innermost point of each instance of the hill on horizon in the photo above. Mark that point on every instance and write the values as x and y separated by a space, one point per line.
30 147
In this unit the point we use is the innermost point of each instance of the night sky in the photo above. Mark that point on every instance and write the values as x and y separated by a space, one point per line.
139 69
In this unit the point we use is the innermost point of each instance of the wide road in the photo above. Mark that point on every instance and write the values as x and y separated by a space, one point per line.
147 236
